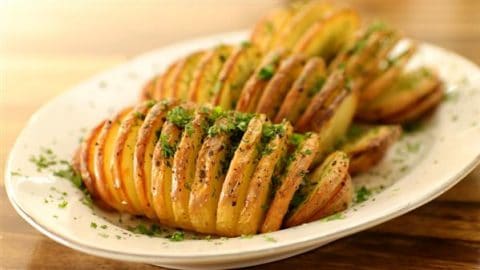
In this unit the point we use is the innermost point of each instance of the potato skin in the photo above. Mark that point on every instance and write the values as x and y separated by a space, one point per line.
292 178
266 31
183 75
328 179
257 199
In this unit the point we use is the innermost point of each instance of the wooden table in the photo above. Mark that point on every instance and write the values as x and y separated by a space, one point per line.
45 48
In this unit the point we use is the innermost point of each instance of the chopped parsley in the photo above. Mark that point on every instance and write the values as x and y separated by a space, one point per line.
93 225
269 238
266 72
336 216
177 236
362 195
139 115
180 116
63 204
168 150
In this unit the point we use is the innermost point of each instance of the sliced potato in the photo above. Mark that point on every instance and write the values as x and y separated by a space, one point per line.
306 16
326 37
322 185
276 89
162 172
294 174
339 202
208 181
104 156
234 189
409 88
184 164
236 71
163 87
148 90
144 147
366 146
251 92
86 157
257 199
266 31
124 147
206 74
183 74
308 83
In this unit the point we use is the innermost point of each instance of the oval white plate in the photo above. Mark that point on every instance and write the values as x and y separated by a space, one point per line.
419 168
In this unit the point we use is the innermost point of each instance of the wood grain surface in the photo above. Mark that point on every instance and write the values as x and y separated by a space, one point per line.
48 46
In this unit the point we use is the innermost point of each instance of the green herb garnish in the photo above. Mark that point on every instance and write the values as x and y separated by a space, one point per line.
266 72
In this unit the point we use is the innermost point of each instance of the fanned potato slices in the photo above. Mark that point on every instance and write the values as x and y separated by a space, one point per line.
124 148
319 188
266 31
236 71
259 190
251 92
276 89
184 163
407 90
366 146
296 170
144 147
162 172
326 37
208 181
234 189
148 90
308 83
339 202
163 85
104 158
183 74
86 165
206 74
301 22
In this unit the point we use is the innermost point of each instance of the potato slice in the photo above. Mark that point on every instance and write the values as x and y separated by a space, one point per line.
163 87
294 174
208 181
418 109
383 80
184 163
266 31
86 165
234 189
149 88
104 156
320 187
144 147
260 186
253 88
366 146
274 93
309 82
183 75
206 74
123 149
306 16
326 37
339 202
405 91
236 71
162 172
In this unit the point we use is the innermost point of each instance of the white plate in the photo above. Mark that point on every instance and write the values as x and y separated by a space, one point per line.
419 168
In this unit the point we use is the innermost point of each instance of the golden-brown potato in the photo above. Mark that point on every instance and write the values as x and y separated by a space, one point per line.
163 87
320 186
207 72
296 170
266 31
339 202
162 172
148 90
326 37
184 163
236 71
276 89
208 181
144 147
104 155
308 83
408 89
257 199
366 145
183 75
124 147
306 16
235 186
251 92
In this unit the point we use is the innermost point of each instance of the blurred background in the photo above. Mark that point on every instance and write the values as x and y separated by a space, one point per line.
47 46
